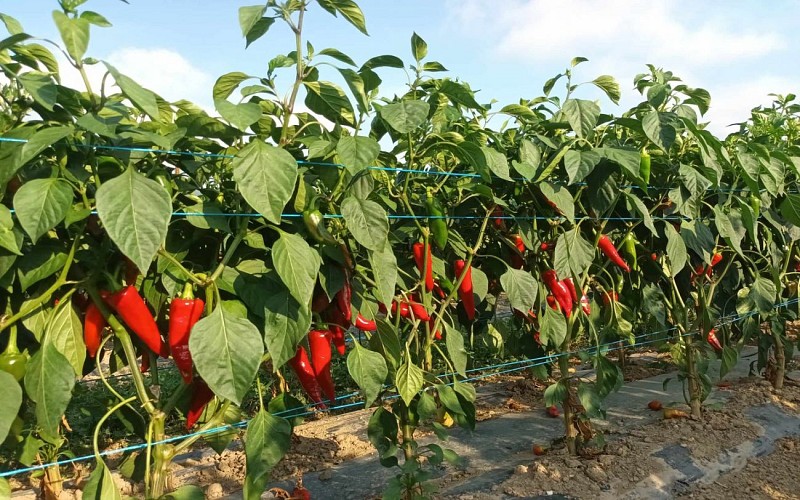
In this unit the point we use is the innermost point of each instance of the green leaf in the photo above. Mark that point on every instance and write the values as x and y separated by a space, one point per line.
65 332
142 98
266 176
227 353
459 94
249 15
730 227
384 269
265 443
349 10
100 485
357 153
561 197
369 370
730 357
698 237
39 263
521 289
573 254
639 207
555 393
48 382
240 115
330 101
297 265
41 87
553 328
384 61
579 164
608 85
628 159
95 18
419 49
676 250
5 489
10 402
41 204
405 116
338 55
590 400
258 30
10 237
367 221
497 163
455 348
409 380
74 33
12 25
790 208
382 432
286 321
135 212
582 115
660 128
20 154
763 293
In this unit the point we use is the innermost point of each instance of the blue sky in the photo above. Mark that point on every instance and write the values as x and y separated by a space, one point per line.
738 50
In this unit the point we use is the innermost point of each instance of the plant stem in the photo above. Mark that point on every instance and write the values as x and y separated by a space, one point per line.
695 390
229 253
570 433
780 361
162 252
289 108
163 458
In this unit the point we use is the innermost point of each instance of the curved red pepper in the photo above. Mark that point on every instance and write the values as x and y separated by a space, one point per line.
552 302
183 314
337 324
431 324
465 289
201 395
320 343
547 246
93 326
609 297
305 374
609 250
364 324
571 287
134 312
559 290
713 341
411 310
586 305
517 261
419 249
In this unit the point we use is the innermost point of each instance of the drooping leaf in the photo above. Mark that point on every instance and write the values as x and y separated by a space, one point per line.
10 402
369 371
454 341
100 485
40 204
48 382
74 33
266 176
405 116
368 222
65 331
521 289
330 101
357 153
142 98
582 115
286 321
409 380
265 443
297 265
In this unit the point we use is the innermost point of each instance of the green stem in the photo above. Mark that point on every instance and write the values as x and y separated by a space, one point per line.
96 438
289 108
229 253
162 252
214 421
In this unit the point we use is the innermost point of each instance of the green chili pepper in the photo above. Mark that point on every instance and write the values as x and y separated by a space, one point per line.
315 223
629 244
755 204
644 166
437 222
12 361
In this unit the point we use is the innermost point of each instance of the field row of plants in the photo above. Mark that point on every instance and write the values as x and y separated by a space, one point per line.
258 247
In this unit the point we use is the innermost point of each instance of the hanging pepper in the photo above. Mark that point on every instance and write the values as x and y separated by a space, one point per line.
364 324
552 302
320 302
422 264
609 297
716 258
411 310
517 260
437 221
344 296
629 244
320 343
571 287
337 324
586 306
315 224
713 341
465 292
134 312
547 246
755 204
607 247
93 325
497 218
201 395
559 291
644 166
12 361
431 324
305 374
184 312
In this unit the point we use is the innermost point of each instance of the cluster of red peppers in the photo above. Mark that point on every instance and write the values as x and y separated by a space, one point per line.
564 295
315 374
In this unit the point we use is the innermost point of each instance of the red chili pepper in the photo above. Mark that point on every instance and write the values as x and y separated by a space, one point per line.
337 324
497 221
320 343
608 297
93 326
571 287
419 249
716 258
437 334
547 246
344 296
586 305
439 291
654 256
465 289
131 272
183 314
559 290
713 341
552 302
607 247
305 374
201 395
517 261
411 310
364 324
134 312
320 302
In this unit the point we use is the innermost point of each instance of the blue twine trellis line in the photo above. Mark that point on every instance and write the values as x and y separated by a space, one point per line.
172 152
525 364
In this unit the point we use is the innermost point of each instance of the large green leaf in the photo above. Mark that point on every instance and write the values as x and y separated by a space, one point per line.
48 382
40 204
573 254
357 153
227 351
579 164
39 263
41 87
330 101
609 85
286 321
266 176
521 289
100 485
14 156
349 10
405 116
628 159
497 163
553 328
561 197
409 380
419 48
384 269
74 33
676 250
265 443
142 98
382 432
582 115
249 15
454 341
135 211
297 265
65 331
369 370
10 402
240 115
660 128
367 221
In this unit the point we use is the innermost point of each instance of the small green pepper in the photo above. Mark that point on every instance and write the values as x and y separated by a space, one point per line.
315 223
436 221
629 244
644 166
12 361
755 204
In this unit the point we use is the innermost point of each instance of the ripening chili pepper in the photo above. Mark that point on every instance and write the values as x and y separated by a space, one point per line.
424 265
201 395
571 287
465 290
431 324
305 374
547 246
315 224
337 324
364 324
629 244
135 313
713 341
320 343
609 250
411 310
517 260
609 297
559 291
439 291
644 166
93 325
344 296
552 302
184 312
320 302
716 258
497 218
12 361
437 221
586 306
